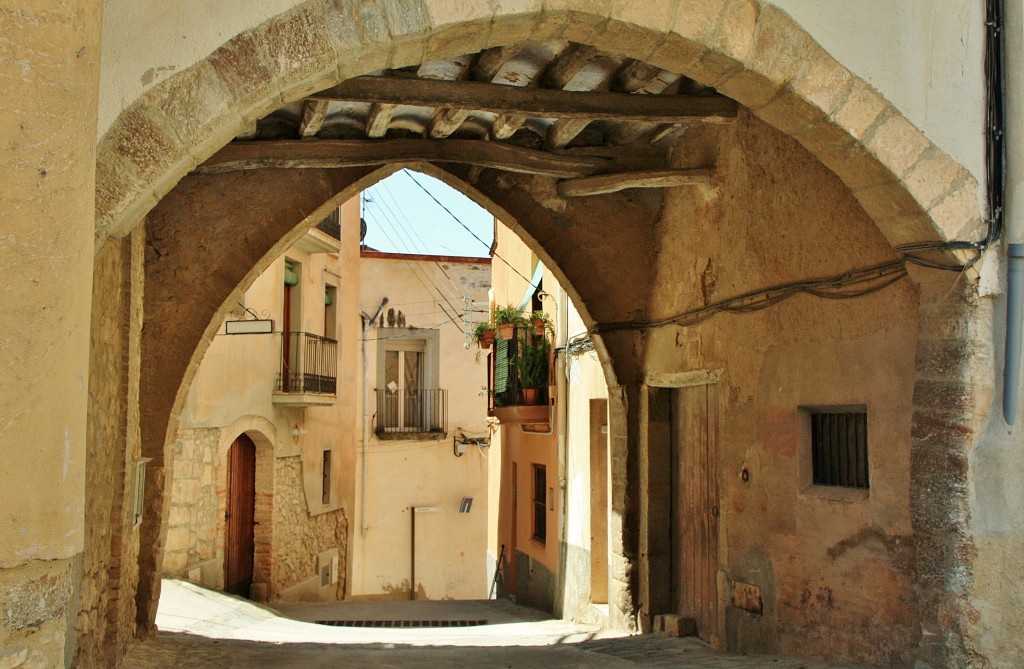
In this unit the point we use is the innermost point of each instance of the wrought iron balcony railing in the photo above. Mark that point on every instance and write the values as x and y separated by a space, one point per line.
405 411
309 364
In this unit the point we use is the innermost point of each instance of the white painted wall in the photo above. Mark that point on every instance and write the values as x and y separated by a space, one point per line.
147 41
922 55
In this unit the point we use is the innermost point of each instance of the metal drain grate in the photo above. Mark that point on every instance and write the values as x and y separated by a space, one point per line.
402 623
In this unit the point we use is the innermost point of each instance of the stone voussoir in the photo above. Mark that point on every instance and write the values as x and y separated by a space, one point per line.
520 23
303 58
958 212
896 142
243 65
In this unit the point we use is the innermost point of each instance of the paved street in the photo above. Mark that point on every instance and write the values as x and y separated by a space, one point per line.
204 628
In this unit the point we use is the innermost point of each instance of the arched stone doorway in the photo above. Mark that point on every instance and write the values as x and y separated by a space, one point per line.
754 54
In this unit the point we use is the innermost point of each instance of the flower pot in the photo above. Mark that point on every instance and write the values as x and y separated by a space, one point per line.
529 396
538 326
506 331
486 339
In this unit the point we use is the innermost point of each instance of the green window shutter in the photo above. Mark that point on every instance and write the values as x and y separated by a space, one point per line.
290 277
500 366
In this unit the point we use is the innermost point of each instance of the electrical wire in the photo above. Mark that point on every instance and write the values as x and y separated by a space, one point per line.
457 220
855 283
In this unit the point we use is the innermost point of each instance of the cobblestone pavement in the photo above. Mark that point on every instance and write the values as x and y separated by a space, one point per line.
211 630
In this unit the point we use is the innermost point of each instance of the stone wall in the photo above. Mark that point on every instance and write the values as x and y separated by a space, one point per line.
298 537
196 516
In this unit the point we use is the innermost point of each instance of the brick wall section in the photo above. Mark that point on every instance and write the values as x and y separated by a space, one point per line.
106 438
948 404
263 550
110 574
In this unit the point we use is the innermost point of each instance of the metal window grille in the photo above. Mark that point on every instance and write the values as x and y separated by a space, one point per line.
839 448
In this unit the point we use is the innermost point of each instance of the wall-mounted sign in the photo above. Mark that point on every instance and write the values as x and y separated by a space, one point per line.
261 326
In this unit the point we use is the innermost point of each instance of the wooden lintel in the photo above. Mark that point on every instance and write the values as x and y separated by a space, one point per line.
531 101
611 183
332 154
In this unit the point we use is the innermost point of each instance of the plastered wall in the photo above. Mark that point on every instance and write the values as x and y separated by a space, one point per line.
835 570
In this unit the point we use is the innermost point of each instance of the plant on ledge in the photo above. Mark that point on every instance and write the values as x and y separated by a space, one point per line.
532 366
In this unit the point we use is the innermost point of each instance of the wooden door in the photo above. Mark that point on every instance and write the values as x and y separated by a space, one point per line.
695 506
239 516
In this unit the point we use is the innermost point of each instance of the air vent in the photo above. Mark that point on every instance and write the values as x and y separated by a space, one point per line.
402 623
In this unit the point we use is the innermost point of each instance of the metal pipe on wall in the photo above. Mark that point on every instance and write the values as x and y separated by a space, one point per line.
1009 80
368 322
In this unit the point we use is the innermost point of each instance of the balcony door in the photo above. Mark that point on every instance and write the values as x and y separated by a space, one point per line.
403 383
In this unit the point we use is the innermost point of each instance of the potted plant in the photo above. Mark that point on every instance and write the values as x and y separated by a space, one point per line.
540 320
483 334
532 365
506 319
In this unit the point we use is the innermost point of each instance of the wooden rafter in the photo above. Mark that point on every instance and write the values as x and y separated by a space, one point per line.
557 74
532 102
378 120
611 183
313 114
330 154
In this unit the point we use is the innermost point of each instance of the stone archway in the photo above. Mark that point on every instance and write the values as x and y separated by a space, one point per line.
749 51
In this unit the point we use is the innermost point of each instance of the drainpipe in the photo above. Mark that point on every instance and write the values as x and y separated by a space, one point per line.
561 418
368 322
1013 98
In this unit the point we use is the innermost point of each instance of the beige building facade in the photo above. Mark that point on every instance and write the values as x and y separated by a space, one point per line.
263 491
852 145
422 476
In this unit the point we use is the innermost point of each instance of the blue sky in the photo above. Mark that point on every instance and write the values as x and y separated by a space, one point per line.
401 217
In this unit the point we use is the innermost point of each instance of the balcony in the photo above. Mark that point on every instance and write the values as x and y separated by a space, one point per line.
308 373
519 377
412 414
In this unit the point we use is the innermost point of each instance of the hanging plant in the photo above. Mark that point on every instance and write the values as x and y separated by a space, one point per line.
483 334
507 319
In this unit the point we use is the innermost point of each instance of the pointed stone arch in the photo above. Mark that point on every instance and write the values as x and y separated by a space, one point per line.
746 49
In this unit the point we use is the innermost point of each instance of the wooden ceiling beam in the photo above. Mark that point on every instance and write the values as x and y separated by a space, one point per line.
611 183
332 154
532 101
